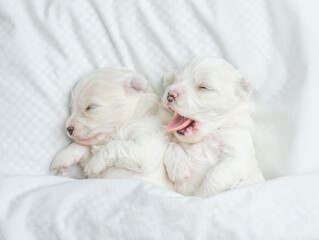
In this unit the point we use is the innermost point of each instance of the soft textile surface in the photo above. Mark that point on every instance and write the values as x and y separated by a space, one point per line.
127 209
46 46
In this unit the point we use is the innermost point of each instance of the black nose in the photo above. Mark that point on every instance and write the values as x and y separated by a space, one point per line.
70 129
170 97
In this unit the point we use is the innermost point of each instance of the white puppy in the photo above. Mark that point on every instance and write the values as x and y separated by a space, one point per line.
212 150
118 127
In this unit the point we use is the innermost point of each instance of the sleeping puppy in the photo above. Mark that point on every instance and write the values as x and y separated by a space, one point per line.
118 128
211 149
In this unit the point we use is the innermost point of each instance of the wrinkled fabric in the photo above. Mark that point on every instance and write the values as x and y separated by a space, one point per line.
47 207
46 46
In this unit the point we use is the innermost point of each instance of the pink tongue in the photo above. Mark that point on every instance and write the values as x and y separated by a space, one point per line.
178 122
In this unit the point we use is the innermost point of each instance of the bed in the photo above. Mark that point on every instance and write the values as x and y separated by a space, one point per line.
46 46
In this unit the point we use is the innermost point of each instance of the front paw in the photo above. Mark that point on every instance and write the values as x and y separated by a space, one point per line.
95 166
64 160
179 167
62 173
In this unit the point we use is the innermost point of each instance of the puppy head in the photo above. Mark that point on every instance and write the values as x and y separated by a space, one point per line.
204 91
103 101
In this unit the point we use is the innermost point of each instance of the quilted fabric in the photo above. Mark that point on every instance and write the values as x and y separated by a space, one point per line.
46 46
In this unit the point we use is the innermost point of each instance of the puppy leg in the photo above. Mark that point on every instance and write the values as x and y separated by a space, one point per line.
62 173
222 177
97 163
122 154
178 164
69 156
254 177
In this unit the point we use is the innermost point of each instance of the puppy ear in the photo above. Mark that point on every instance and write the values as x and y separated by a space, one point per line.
136 83
244 86
168 78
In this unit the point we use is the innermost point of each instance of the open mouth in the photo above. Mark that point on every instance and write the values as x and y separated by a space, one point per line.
182 125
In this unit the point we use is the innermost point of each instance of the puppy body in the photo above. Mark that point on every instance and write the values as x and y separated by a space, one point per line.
136 150
211 150
117 125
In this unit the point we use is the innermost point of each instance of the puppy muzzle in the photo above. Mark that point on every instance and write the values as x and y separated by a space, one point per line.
70 130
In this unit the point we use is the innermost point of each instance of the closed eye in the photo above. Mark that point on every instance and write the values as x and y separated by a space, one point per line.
89 107
204 88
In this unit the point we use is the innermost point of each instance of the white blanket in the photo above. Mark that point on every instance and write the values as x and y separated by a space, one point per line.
60 208
46 46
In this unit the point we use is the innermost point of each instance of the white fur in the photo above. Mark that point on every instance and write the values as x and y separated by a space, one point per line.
218 153
118 126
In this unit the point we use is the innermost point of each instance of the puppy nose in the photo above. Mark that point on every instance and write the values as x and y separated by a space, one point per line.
171 96
70 129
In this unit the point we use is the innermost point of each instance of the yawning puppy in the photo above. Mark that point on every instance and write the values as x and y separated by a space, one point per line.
118 128
212 149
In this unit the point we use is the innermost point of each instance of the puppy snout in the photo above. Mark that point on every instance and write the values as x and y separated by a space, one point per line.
171 96
70 129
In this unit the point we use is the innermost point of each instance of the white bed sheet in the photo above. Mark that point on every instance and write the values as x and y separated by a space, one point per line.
46 46
59 208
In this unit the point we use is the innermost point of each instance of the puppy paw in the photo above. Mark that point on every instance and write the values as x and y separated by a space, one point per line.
64 160
62 173
68 156
131 165
178 165
181 173
95 166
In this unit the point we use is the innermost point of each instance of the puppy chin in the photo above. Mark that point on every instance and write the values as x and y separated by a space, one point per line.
194 137
98 139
